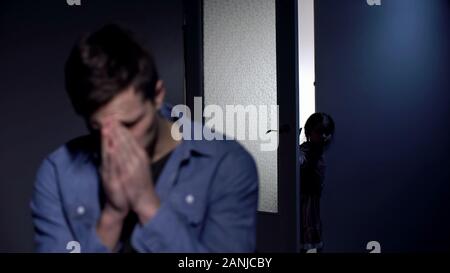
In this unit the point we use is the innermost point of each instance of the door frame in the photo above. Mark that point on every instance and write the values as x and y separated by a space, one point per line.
276 232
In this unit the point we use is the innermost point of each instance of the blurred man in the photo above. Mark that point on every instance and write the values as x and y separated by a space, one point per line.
130 185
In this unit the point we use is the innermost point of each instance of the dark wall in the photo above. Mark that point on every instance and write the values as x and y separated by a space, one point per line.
35 114
383 74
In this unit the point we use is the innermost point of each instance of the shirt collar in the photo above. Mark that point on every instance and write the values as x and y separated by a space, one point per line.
188 145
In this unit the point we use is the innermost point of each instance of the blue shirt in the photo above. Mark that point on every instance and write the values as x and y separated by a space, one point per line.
208 192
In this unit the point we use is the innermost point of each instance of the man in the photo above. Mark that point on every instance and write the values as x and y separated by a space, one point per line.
130 185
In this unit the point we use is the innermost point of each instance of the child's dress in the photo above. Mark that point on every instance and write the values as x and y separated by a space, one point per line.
312 175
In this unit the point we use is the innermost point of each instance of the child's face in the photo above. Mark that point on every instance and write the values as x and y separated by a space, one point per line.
319 136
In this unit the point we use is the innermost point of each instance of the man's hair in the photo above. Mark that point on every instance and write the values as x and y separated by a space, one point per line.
105 63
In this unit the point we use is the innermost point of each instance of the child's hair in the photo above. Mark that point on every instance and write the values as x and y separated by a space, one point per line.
326 122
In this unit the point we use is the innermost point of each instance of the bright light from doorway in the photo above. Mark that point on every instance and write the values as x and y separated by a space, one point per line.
307 95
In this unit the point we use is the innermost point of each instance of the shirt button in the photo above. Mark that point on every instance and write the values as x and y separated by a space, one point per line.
172 177
80 210
190 199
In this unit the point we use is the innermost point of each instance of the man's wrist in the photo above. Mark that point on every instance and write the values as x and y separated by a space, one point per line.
111 216
109 227
146 208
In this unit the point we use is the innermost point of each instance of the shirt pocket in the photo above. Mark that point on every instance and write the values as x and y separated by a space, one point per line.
190 205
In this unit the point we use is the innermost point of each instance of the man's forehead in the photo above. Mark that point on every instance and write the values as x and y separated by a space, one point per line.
125 105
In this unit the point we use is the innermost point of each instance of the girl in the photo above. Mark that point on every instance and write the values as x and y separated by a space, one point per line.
319 131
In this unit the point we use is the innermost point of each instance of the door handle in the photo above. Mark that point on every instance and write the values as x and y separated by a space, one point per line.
285 128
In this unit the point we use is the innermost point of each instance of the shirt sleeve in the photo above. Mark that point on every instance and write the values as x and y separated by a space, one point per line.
230 224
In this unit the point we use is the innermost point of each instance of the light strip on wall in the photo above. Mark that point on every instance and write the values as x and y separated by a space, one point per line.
307 92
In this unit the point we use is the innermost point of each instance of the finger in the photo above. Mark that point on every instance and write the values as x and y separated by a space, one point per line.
116 133
126 139
136 148
122 154
114 167
109 148
104 145
105 169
